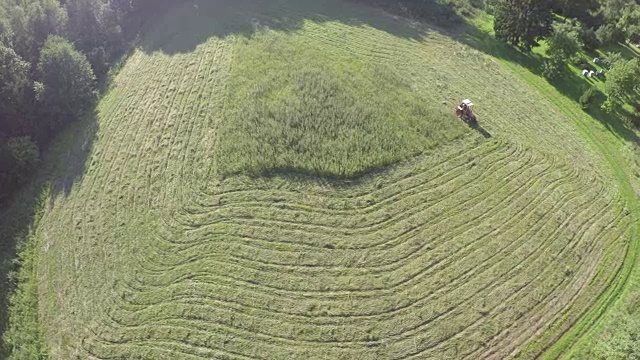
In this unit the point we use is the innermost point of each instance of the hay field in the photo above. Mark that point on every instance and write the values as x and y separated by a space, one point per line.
184 236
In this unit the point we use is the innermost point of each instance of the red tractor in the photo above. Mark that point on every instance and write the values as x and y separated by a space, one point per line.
465 112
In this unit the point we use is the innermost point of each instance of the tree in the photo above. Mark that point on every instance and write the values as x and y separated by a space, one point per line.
612 57
6 34
68 83
589 38
25 155
14 83
582 10
587 97
551 69
613 9
622 80
522 22
93 28
629 22
608 34
32 23
564 43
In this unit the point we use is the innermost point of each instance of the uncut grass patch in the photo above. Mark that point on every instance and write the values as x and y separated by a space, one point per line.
293 107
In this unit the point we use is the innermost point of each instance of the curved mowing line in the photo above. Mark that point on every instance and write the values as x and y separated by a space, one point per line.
568 306
174 250
449 175
357 207
175 93
164 270
169 347
326 229
591 318
184 241
506 301
347 191
180 110
531 281
251 224
200 110
167 115
120 121
127 149
381 223
204 58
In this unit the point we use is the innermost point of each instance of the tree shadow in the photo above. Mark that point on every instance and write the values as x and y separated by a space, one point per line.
72 155
192 23
63 165
624 50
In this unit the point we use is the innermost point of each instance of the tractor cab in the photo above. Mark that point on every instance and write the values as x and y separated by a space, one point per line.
465 105
465 111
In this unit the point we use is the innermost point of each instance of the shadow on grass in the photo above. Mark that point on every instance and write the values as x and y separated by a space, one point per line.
623 49
194 22
570 84
476 126
64 164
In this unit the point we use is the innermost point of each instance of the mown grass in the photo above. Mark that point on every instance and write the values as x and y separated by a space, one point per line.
292 107
22 338
617 139
476 248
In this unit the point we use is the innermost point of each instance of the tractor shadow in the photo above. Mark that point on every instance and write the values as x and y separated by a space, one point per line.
476 126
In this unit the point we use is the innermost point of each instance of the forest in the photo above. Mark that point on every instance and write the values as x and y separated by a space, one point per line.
54 56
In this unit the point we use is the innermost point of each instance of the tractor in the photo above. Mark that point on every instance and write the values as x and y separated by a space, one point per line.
465 112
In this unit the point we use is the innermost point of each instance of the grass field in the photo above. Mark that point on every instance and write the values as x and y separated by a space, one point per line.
180 224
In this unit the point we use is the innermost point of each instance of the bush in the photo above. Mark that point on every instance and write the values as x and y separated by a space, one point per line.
466 7
587 97
551 69
611 58
24 152
490 6
608 105
19 158
99 59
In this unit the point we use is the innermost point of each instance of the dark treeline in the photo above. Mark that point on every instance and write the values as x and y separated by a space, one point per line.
524 22
52 55
601 22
